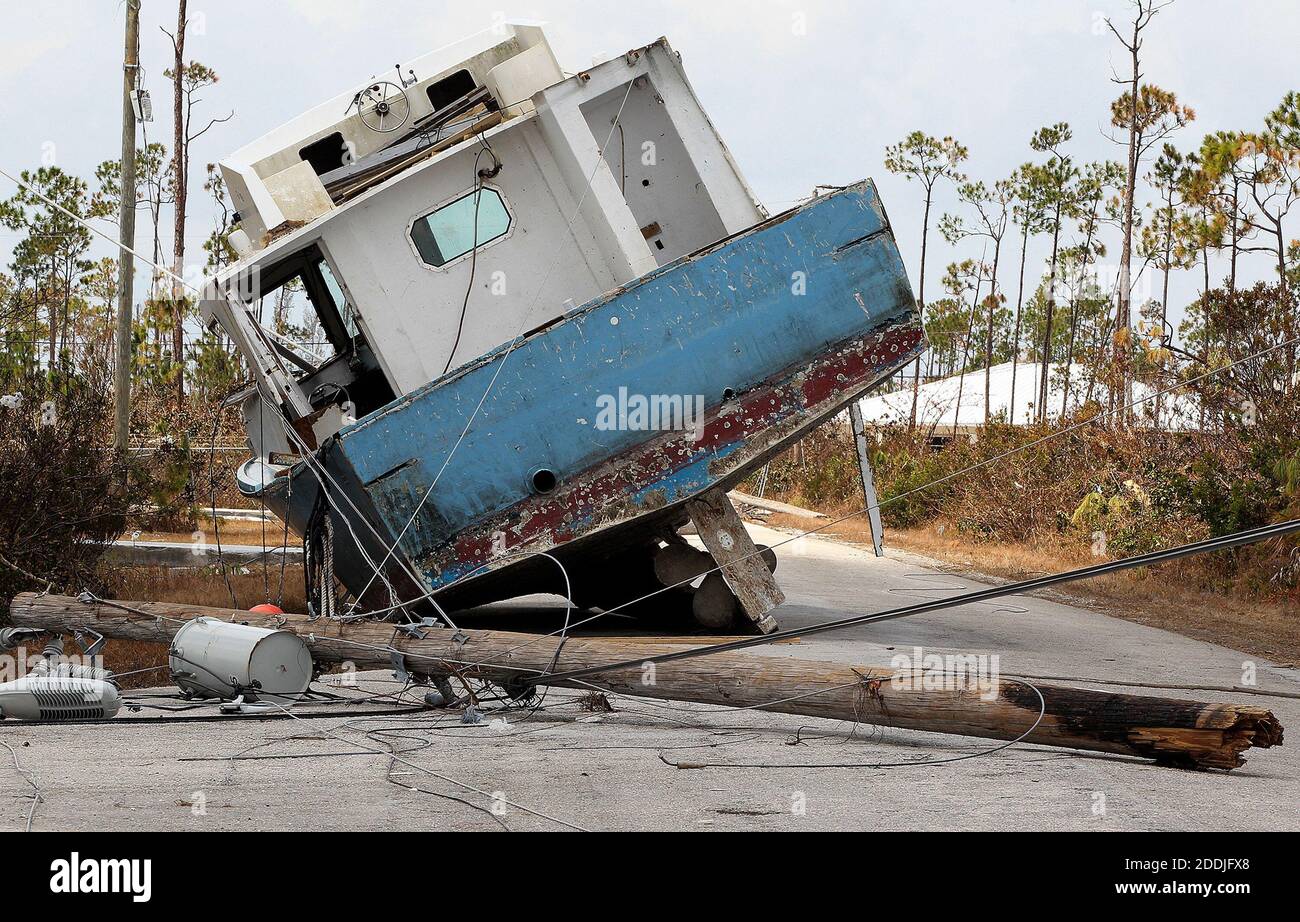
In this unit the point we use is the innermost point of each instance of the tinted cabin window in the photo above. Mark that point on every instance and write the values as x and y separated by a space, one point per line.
341 304
310 311
325 155
451 231
444 92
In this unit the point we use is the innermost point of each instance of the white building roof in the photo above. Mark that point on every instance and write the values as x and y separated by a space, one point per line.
937 403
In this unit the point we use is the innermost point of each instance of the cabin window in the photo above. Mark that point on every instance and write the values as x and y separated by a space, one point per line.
442 93
304 305
326 155
345 311
457 228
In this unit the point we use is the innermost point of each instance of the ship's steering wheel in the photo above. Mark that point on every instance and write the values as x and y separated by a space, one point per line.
383 106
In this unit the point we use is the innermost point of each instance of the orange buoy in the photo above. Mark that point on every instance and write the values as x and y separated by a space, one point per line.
267 609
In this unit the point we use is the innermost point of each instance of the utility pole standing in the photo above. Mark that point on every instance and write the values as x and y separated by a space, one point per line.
126 233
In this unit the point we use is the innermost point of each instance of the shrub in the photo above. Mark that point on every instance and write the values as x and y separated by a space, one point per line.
1121 492
67 495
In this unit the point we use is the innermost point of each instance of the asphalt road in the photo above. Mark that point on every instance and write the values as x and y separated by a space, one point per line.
605 771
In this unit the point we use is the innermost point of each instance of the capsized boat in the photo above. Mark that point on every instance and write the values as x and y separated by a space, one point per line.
500 319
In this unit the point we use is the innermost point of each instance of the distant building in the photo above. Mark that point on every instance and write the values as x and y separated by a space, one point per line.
937 409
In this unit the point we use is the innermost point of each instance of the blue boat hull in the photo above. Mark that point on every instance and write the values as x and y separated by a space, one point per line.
769 332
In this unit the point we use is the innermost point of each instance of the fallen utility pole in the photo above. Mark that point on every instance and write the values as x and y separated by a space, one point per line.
1183 733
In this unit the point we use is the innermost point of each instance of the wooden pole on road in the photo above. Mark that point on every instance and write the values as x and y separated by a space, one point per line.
1183 733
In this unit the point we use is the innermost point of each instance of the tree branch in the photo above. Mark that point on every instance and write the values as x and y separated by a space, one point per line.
206 128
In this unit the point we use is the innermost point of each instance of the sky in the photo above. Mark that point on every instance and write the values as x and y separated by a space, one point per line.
803 91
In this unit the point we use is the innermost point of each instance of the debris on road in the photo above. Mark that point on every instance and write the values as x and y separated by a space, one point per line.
1170 731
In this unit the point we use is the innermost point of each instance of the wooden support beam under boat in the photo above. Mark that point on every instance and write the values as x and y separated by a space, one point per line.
1176 732
744 572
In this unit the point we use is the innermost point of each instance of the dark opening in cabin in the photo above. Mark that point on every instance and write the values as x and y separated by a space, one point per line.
319 334
444 92
327 154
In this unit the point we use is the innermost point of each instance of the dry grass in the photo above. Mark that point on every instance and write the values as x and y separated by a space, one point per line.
1155 597
192 587
208 587
137 664
232 532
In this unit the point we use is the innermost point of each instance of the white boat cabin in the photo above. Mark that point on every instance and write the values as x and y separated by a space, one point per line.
428 216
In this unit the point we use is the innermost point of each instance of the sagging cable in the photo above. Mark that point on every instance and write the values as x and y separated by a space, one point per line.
1209 545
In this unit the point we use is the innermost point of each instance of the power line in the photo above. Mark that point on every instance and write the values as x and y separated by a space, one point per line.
1238 539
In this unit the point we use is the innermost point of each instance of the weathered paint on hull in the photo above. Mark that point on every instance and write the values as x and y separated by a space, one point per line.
777 328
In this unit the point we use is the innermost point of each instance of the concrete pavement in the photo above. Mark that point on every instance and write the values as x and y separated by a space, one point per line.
605 771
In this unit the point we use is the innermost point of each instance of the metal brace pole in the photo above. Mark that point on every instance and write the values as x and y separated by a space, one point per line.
868 479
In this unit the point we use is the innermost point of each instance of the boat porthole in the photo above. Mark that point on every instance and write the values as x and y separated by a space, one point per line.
728 393
544 481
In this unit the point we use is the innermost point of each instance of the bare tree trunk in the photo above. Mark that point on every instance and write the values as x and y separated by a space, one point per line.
1281 255
965 351
920 300
1236 239
1046 358
1164 297
1205 310
180 166
54 333
1074 307
1123 313
1069 352
1015 345
1205 268
1285 290
988 339
69 330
